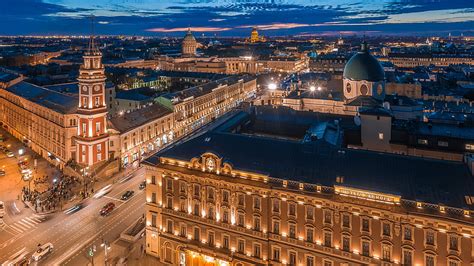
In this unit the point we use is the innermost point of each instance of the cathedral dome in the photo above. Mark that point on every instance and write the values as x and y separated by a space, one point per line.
364 66
189 37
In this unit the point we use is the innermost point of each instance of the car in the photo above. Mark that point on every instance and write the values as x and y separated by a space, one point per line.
43 250
18 260
2 172
128 194
142 185
10 154
103 191
2 209
107 209
74 208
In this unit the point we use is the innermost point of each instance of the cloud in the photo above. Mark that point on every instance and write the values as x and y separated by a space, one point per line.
195 29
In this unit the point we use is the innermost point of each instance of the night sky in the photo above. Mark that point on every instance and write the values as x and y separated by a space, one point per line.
237 17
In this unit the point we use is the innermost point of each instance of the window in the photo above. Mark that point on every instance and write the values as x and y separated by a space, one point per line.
309 261
225 196
407 233
469 147
429 260
328 238
153 219
386 252
256 223
327 263
346 243
84 128
407 257
276 227
346 221
443 143
169 184
386 229
169 202
310 234
276 254
153 197
276 206
241 200
183 230
453 242
225 242
210 193
153 180
327 217
453 262
210 239
225 215
182 187
196 208
97 127
96 101
197 190
256 203
197 233
380 136
430 238
169 226
365 225
292 230
309 213
291 209
210 213
240 246
240 219
423 141
292 258
365 248
257 250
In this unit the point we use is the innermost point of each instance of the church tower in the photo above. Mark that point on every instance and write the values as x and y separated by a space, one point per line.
92 137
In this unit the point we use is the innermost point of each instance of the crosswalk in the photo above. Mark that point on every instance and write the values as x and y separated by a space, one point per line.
26 224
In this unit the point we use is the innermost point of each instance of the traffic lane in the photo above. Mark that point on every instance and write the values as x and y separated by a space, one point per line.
82 257
62 224
106 227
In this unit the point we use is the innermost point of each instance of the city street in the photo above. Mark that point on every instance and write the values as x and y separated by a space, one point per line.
71 234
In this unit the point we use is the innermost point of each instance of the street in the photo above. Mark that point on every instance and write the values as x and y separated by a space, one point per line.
72 234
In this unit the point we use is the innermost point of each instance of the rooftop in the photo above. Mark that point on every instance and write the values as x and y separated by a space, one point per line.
139 117
319 162
51 99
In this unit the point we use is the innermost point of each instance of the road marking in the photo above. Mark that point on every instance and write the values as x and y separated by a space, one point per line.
108 197
16 229
28 222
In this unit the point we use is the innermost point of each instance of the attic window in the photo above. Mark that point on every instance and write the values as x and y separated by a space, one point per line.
469 200
207 139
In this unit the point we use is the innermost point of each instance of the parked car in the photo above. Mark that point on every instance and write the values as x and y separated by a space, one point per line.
42 251
142 185
128 194
10 154
19 260
2 172
107 209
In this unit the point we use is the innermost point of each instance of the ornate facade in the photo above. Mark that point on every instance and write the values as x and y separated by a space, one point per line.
204 212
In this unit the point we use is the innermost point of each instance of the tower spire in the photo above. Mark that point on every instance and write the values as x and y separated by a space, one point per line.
92 49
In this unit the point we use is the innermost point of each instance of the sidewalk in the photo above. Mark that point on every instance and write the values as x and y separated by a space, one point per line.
124 253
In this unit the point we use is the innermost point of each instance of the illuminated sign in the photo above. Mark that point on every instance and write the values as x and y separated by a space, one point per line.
367 195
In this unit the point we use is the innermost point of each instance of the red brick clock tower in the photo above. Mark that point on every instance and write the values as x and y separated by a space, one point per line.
92 137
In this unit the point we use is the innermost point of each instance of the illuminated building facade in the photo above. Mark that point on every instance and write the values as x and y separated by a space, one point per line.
189 45
230 198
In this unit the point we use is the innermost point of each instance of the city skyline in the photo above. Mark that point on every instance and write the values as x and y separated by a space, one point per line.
236 18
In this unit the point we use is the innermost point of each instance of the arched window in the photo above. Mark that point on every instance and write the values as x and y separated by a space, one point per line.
348 88
364 90
167 252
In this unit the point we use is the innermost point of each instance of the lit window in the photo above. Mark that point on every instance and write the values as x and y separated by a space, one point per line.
380 136
470 147
423 141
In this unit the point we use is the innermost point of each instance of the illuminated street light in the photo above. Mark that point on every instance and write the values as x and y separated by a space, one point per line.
319 88
272 86
20 152
312 88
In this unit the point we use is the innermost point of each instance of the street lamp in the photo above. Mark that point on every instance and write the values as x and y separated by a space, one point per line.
312 88
272 86
106 247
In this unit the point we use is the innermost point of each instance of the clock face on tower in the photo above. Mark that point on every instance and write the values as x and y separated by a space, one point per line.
96 88
84 88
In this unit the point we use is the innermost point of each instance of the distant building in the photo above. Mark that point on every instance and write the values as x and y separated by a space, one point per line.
189 45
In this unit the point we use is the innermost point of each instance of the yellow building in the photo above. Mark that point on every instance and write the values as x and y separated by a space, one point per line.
241 196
